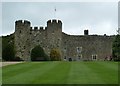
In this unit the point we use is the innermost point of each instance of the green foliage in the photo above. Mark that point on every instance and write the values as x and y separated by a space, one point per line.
55 55
9 39
116 48
38 54
8 51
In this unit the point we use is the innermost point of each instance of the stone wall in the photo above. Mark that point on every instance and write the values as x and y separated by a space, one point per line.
82 47
85 47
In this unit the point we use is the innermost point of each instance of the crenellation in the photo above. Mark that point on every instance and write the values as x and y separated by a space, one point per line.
49 21
26 22
41 28
35 28
59 22
54 21
76 47
31 28
19 22
45 28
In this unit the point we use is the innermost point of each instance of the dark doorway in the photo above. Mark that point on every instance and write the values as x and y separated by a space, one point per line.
70 59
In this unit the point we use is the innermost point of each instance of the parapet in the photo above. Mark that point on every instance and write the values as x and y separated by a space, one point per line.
21 22
59 21
45 28
49 21
41 28
54 21
26 22
37 29
18 22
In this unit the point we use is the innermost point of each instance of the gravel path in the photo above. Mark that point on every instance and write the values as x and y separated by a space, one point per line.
8 63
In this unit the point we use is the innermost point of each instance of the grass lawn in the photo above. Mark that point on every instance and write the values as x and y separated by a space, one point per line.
61 73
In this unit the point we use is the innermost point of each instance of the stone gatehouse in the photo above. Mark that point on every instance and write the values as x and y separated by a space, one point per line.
76 47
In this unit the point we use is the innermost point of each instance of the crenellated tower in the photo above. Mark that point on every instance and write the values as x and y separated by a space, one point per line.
81 47
22 39
54 33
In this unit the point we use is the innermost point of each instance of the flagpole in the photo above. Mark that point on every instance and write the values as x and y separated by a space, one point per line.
55 12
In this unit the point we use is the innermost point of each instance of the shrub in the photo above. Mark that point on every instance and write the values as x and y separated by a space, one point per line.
55 55
116 48
8 53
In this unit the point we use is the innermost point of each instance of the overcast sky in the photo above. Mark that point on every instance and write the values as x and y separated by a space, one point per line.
98 17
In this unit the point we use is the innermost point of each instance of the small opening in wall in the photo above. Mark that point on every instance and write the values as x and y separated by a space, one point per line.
80 57
65 58
24 47
20 31
59 39
37 40
94 57
79 49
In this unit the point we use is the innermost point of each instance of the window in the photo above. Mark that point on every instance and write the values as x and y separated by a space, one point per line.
65 57
79 49
94 57
80 57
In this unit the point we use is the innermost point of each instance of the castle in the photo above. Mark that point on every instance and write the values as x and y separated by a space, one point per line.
76 47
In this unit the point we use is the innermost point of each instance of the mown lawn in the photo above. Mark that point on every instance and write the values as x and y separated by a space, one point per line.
61 73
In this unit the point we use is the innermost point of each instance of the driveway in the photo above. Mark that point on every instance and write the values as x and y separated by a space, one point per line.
8 63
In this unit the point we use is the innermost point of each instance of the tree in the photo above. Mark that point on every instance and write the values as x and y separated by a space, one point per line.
116 48
55 55
8 52
38 54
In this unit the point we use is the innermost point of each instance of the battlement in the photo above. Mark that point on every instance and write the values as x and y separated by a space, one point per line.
37 28
21 22
54 21
41 28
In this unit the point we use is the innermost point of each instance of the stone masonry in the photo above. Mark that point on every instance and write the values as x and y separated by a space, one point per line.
76 47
